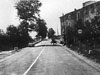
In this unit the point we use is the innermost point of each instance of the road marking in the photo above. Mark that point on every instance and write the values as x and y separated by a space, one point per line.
25 73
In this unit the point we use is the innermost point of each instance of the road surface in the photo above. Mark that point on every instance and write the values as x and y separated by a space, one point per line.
45 59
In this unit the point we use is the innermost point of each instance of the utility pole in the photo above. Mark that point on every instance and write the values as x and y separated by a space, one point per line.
57 30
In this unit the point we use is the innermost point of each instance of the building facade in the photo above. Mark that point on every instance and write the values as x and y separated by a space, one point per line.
89 10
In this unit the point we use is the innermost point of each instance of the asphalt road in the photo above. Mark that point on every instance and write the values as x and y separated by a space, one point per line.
45 59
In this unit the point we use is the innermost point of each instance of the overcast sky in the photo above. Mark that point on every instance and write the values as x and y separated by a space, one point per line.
51 10
8 14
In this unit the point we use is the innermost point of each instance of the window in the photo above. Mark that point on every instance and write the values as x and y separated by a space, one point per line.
78 16
69 16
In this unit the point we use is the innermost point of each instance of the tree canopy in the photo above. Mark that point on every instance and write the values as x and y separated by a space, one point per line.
51 32
28 11
42 29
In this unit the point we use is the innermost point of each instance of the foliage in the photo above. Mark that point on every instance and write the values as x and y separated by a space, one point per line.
27 9
51 33
24 37
70 35
4 40
90 32
28 12
42 29
18 36
12 33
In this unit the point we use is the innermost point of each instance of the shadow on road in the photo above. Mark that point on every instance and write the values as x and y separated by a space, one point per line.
46 45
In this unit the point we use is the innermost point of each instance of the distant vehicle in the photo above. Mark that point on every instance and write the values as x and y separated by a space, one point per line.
53 41
31 45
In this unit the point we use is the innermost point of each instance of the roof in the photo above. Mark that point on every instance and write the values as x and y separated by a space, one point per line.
80 9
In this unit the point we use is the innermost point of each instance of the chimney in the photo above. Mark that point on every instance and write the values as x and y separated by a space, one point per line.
75 9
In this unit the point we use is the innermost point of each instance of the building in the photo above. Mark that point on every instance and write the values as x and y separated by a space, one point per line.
89 10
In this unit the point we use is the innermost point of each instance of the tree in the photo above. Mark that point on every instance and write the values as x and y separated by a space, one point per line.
28 9
12 32
90 31
42 29
28 12
51 33
24 37
95 29
70 35
3 40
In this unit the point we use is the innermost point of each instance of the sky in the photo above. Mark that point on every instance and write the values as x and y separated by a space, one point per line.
51 10
8 14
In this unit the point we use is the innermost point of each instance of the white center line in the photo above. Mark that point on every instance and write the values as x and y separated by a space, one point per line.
25 73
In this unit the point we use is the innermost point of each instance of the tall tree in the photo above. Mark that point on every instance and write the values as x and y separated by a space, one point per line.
28 9
42 29
23 33
4 42
28 13
12 33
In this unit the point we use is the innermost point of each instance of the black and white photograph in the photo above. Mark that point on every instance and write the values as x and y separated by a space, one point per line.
49 37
